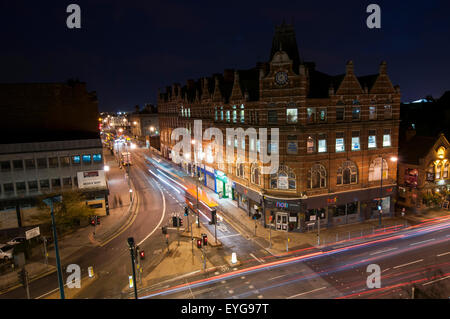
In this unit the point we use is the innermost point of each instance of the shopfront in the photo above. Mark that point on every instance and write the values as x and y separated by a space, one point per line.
223 185
248 199
286 214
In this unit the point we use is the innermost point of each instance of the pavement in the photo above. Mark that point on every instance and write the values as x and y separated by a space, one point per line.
121 215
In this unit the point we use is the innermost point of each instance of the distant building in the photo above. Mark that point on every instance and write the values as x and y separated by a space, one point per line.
337 134
52 145
423 171
145 125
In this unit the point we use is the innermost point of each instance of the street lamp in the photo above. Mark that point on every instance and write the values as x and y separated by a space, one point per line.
380 207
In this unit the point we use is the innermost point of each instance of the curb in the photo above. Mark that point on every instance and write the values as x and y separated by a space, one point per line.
39 276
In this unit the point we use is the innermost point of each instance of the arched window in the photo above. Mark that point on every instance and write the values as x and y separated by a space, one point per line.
438 171
445 173
283 179
347 174
240 170
317 176
375 170
255 174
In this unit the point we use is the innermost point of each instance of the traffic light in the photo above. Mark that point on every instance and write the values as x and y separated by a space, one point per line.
175 221
164 230
130 241
93 222
213 217
98 220
180 221
205 239
199 243
186 211
142 254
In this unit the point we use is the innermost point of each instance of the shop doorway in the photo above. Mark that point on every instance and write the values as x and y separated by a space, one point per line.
281 221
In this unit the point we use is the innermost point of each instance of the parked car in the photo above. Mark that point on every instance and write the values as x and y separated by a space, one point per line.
6 252
16 241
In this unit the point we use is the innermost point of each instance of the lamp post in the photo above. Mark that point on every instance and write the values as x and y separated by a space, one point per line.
49 202
132 248
380 207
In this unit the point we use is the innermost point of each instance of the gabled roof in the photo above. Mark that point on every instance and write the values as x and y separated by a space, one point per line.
416 148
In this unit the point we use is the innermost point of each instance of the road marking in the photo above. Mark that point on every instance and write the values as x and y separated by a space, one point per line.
228 236
435 281
382 251
304 293
420 242
278 277
413 262
259 260
160 221
443 254
385 270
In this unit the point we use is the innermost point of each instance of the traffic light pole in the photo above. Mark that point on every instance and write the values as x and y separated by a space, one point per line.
178 230
132 251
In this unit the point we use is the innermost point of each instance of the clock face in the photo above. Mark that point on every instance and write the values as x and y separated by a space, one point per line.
281 78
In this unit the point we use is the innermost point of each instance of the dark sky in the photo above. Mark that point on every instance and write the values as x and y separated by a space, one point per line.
126 50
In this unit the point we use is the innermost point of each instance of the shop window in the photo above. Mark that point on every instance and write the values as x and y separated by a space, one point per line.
352 208
310 115
340 211
291 116
86 159
317 177
76 160
372 142
347 173
30 163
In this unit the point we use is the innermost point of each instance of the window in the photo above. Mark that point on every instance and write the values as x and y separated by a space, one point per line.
375 170
445 173
322 144
255 174
310 115
291 116
97 158
322 115
283 179
317 177
87 159
340 144
9 188
221 113
292 144
189 112
387 138
21 187
355 141
242 114
240 170
356 113
44 184
76 159
30 163
41 163
347 174
216 114
32 186
272 117
310 145
234 114
372 139
372 112
5 166
340 113
243 144
228 116
53 162
67 182
56 183
252 144
387 112
235 142
18 165
64 161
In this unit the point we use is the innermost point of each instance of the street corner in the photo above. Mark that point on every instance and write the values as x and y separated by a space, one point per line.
72 293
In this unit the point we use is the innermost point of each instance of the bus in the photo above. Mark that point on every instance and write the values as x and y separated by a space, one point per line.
126 159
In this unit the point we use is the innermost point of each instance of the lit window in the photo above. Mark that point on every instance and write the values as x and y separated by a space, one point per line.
234 114
216 114
76 159
340 144
86 159
387 138
221 113
322 146
310 115
387 111
97 158
372 139
252 144
310 145
228 116
322 115
356 113
242 114
372 112
235 142
355 141
291 116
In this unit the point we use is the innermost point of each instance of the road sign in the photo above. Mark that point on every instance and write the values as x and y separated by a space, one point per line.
91 271
32 233
130 278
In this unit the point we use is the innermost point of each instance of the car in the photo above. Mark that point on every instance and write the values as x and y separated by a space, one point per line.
16 241
6 252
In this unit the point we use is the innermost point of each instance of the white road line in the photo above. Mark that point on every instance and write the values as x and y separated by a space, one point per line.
382 251
160 221
259 260
420 242
413 262
443 254
304 293
385 270
228 236
278 277
435 281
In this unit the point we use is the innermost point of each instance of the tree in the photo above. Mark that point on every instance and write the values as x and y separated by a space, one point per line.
69 212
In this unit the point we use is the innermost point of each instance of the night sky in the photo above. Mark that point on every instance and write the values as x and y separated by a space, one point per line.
126 50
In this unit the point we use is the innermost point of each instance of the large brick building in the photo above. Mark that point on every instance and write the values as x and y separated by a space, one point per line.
334 133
